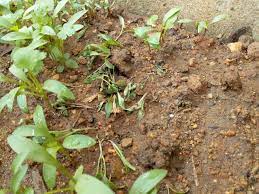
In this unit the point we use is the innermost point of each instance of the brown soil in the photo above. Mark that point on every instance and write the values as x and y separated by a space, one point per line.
201 114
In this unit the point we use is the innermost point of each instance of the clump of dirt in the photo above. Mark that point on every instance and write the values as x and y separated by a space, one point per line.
201 112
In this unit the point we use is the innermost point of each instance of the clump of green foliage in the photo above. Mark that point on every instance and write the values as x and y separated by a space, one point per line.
202 26
27 64
38 144
154 34
42 25
92 6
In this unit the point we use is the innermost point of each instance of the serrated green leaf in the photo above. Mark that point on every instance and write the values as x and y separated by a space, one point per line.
122 157
36 152
22 103
59 7
219 18
152 20
18 161
59 89
19 73
25 131
148 181
171 13
49 175
141 32
93 185
18 177
78 142
44 6
8 99
29 58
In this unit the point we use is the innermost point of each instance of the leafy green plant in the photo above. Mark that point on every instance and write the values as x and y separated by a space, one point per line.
103 50
153 34
92 6
202 26
27 64
37 143
43 22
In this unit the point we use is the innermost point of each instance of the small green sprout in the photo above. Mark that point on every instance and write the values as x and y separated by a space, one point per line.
202 26
154 35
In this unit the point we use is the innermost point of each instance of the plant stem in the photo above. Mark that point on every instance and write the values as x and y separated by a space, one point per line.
60 190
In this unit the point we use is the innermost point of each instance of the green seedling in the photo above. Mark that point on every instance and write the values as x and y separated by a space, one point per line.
37 143
154 34
103 50
43 22
92 6
27 64
202 26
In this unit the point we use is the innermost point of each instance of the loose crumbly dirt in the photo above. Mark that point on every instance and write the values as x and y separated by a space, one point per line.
201 113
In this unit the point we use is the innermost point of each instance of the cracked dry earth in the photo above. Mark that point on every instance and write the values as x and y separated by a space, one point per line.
201 114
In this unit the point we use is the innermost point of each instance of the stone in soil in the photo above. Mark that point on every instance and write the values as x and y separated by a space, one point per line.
195 83
253 50
231 80
235 46
126 142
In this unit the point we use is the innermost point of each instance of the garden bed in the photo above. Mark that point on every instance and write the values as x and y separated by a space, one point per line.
200 116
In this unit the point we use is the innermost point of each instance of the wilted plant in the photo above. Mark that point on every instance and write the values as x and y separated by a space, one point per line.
153 34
